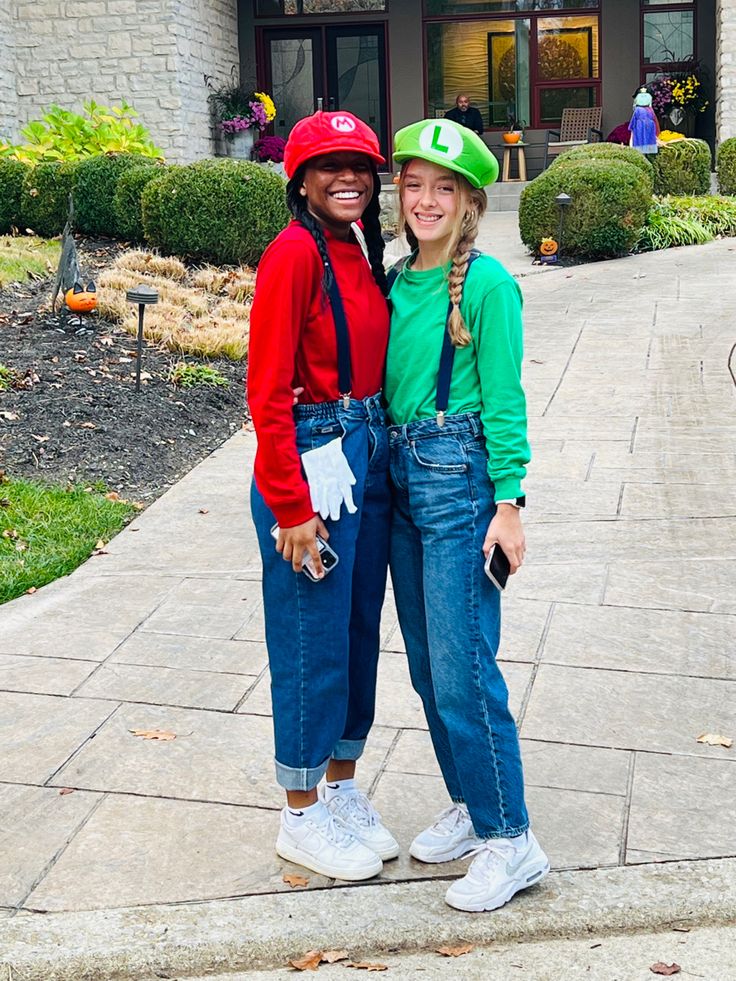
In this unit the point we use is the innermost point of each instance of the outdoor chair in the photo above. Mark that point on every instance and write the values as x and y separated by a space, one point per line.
576 129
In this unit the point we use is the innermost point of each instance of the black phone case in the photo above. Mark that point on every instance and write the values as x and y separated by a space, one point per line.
500 567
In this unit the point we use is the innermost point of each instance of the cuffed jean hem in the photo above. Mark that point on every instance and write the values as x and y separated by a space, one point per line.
299 778
507 833
348 749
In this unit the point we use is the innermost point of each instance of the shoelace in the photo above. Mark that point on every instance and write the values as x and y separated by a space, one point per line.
336 831
449 819
490 853
356 807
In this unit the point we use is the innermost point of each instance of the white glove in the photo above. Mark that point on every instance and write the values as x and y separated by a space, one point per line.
330 479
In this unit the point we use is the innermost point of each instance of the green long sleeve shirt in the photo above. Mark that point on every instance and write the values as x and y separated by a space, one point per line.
486 376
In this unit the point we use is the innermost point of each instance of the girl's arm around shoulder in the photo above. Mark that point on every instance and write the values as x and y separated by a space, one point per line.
498 334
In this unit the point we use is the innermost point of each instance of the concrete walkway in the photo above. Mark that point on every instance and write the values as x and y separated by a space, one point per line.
618 647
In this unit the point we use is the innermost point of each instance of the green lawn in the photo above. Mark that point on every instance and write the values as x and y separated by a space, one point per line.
47 531
22 256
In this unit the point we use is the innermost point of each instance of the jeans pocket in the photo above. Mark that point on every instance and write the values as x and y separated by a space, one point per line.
312 433
440 454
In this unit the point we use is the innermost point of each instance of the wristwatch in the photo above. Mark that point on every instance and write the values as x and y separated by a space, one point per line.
516 502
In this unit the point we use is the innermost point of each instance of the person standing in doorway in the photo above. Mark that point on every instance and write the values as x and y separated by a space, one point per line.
319 329
466 115
459 450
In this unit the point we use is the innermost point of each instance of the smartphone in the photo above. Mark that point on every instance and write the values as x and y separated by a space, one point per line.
329 557
497 567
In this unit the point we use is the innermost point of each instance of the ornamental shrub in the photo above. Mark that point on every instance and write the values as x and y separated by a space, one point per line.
610 202
682 167
608 151
224 211
44 202
726 166
94 193
127 200
11 182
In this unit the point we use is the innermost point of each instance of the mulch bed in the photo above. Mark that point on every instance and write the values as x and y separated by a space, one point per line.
79 417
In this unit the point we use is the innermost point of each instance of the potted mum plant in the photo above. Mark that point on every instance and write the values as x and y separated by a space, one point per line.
241 115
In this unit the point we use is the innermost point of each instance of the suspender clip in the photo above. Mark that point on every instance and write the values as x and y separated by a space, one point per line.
346 400
440 419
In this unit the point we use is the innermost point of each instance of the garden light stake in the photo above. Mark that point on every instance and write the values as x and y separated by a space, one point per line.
142 295
562 200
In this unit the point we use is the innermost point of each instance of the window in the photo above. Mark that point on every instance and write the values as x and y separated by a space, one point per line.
284 8
501 6
524 68
668 37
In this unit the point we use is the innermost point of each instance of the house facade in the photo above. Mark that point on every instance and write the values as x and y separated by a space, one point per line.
390 61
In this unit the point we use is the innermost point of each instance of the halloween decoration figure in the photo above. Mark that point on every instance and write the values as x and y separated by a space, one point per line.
80 299
643 127
548 248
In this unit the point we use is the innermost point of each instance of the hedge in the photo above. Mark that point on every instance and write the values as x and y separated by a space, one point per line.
127 200
607 151
12 173
726 166
44 203
609 206
97 178
682 167
223 211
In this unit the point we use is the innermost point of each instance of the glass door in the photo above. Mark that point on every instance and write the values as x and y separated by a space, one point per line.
337 67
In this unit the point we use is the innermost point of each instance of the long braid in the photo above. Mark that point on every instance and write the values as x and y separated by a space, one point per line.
299 208
475 201
374 237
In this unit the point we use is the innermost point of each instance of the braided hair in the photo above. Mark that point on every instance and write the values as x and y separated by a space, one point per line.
299 207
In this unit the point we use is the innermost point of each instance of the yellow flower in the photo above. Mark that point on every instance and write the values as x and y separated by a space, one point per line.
267 103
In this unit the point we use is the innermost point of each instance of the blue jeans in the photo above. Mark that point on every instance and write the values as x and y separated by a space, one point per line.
323 637
450 615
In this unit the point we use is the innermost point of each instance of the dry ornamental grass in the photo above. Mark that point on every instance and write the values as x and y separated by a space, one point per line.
203 312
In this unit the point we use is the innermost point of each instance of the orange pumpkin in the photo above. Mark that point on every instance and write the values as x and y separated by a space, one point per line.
548 246
81 300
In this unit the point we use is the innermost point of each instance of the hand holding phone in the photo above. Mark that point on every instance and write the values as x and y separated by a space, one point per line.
497 566
327 556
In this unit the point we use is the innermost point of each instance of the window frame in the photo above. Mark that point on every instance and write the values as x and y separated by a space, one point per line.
536 84
666 67
325 14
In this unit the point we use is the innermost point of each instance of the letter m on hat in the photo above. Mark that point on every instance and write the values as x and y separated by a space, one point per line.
343 124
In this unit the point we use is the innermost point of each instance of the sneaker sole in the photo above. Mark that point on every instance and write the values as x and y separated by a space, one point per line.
388 853
458 852
532 878
299 857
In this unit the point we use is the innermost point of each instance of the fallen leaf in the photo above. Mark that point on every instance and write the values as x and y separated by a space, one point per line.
203 511
100 545
88 425
365 966
66 424
4 502
712 739
665 969
333 956
66 790
106 341
10 533
295 880
112 496
10 416
309 962
146 376
162 734
41 439
455 951
31 591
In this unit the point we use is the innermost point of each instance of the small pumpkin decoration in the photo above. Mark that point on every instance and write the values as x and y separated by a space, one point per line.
81 300
548 246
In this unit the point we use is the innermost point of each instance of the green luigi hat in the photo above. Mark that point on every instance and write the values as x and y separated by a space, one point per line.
443 142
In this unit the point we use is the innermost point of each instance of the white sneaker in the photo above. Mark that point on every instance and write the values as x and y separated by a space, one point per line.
450 837
357 813
499 870
327 847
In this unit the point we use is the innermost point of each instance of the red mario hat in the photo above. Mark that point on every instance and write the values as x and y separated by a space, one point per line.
329 132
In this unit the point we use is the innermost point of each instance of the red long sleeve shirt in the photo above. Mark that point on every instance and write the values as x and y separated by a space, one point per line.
292 344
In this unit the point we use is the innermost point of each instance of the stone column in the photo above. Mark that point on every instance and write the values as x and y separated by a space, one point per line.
153 53
8 93
726 70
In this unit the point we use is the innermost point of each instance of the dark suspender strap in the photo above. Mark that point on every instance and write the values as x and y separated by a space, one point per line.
447 359
344 368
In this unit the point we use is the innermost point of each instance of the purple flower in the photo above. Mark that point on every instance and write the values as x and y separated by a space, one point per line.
270 148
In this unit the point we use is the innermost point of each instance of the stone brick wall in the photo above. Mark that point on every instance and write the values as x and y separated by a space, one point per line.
726 70
8 96
153 53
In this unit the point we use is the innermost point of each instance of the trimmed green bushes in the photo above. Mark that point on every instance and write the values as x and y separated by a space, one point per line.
97 178
223 211
11 183
682 167
44 203
726 166
127 200
609 206
607 151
